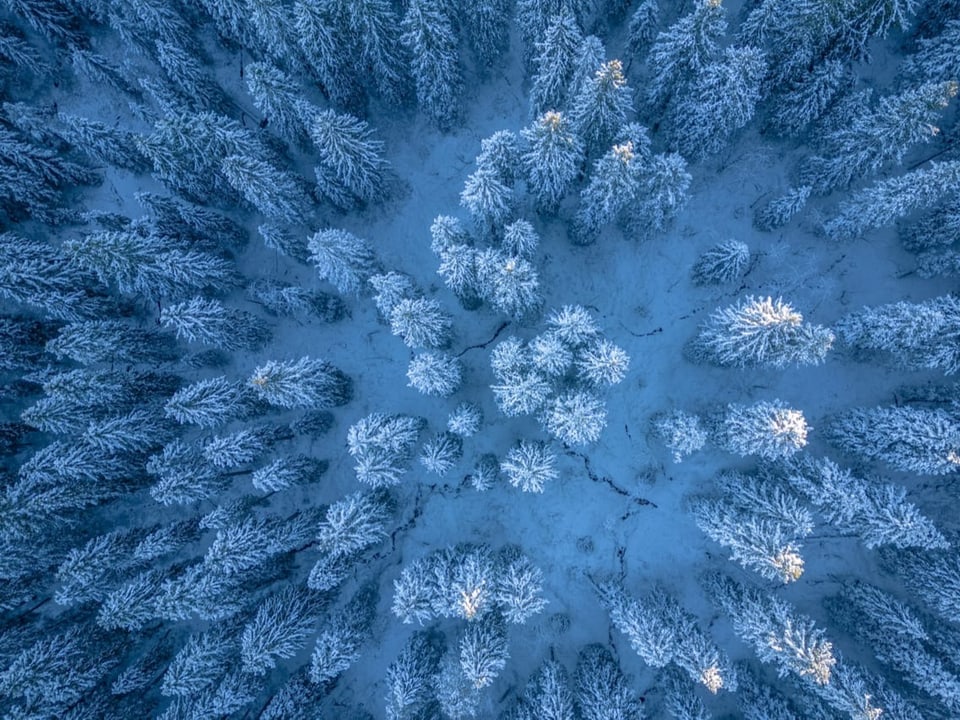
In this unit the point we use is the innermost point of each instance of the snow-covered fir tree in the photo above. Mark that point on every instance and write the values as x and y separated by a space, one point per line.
530 466
276 193
682 433
762 332
615 183
344 260
428 34
441 453
601 106
601 690
778 211
551 158
208 403
488 199
421 322
435 374
575 418
724 262
556 56
209 322
770 430
279 630
351 160
381 446
304 383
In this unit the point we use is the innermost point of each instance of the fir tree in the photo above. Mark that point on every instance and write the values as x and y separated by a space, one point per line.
322 41
575 418
909 439
279 298
277 194
487 26
353 524
762 332
429 36
520 239
342 635
209 322
936 58
279 630
208 403
287 472
344 260
421 322
770 430
681 433
529 466
642 29
483 651
381 446
184 70
375 26
555 61
718 103
662 194
389 289
601 690
614 185
103 143
601 106
278 97
489 200
778 211
551 159
722 263
510 284
809 96
435 374
105 341
349 157
408 677
683 51
304 383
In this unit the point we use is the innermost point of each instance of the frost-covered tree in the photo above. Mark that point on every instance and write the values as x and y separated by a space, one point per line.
770 430
662 194
601 690
108 341
182 475
551 158
530 466
547 695
510 284
483 650
287 472
574 325
428 34
303 383
351 160
575 418
888 200
807 96
863 144
917 335
389 289
435 374
243 446
642 28
381 446
324 45
557 52
137 431
465 420
936 58
724 262
485 472
342 635
601 106
421 322
279 298
909 439
441 453
276 193
103 143
247 544
208 403
488 199
278 97
614 185
762 332
718 103
520 239
778 211
878 513
279 630
353 524
408 678
344 260
210 322
681 52
934 576
457 697
682 433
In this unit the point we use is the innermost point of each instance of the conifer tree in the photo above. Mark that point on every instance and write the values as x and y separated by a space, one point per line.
663 194
277 194
555 61
287 472
529 466
280 629
435 374
344 260
351 160
510 284
209 322
720 101
681 433
375 26
642 29
722 263
601 106
429 36
809 96
208 403
421 322
770 430
105 341
278 97
353 524
323 42
778 211
762 332
441 453
408 677
551 159
381 445
342 635
489 200
614 185
487 27
483 650
304 383
601 690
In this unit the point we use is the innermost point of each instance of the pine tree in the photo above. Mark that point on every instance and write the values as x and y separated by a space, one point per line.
575 418
662 194
614 186
936 58
279 298
483 651
287 472
809 96
529 466
642 29
934 576
683 51
381 445
602 692
887 200
778 211
435 374
249 544
408 677
323 44
722 263
390 288
200 663
209 322
353 524
489 200
718 103
770 430
429 36
681 433
349 156
487 26
344 260
762 332
184 70
226 452
601 106
510 284
137 431
208 403
278 98
277 194
917 335
555 61
533 17
342 635
108 341
304 383
909 439
421 322
875 137
103 143
280 629
551 159
375 26
520 239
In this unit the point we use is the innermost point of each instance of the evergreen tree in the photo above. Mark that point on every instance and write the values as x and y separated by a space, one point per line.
551 159
209 322
681 433
287 472
408 677
557 53
614 185
304 383
280 629
184 70
887 200
108 341
344 260
435 374
602 692
575 418
353 524
663 194
249 544
182 475
342 635
487 26
520 239
208 403
510 284
489 200
642 29
722 263
778 211
375 26
351 161
103 143
874 137
421 322
323 43
279 298
762 332
936 58
770 430
809 96
200 663
682 52
381 445
137 431
878 513
529 466
429 36
718 103
278 97
909 439
277 194
934 576
601 106
483 650
519 588
465 420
